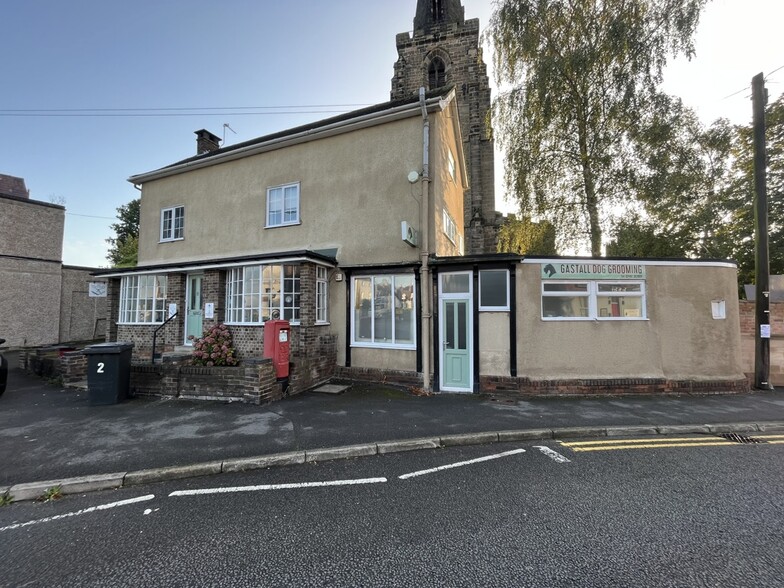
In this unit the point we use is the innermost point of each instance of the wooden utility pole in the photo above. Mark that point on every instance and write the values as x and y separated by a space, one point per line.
759 97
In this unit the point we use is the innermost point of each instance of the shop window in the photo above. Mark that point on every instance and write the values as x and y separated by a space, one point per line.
593 300
383 311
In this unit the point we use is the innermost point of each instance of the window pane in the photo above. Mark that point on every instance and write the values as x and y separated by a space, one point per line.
404 309
382 310
565 306
274 206
493 288
561 287
455 283
620 287
619 306
462 327
291 204
363 306
449 321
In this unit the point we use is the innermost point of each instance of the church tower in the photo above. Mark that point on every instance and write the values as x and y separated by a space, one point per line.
444 50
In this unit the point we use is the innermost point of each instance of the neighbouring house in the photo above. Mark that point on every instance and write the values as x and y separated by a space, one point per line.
43 302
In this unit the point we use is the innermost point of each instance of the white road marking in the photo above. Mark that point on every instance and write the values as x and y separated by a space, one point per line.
461 463
80 512
554 455
231 489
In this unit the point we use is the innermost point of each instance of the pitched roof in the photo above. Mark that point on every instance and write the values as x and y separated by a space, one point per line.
13 186
246 146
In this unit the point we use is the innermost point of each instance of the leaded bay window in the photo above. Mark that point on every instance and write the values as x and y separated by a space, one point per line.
256 294
593 300
142 299
384 311
322 295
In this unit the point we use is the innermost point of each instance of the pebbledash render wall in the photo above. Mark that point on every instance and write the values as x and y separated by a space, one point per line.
679 348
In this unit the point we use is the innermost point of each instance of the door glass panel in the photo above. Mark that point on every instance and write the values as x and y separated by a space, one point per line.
450 325
462 328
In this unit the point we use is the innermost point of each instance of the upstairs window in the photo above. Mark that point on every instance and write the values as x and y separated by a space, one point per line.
450 226
436 73
283 205
450 162
173 223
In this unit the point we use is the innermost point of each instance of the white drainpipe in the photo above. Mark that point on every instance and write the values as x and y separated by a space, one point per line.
424 270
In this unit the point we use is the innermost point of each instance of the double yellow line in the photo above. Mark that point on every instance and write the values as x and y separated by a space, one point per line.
652 443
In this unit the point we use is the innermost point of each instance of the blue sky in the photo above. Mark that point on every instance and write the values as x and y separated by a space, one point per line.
107 54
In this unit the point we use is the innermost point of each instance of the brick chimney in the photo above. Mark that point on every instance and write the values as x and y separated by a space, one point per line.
206 142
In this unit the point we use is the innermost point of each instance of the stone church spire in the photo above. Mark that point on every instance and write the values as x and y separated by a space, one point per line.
444 50
430 13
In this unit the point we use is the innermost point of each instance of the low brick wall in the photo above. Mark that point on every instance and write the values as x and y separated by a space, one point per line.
253 381
395 377
315 364
527 387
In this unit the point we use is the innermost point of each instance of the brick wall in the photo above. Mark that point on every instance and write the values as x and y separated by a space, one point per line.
82 318
747 333
526 387
458 46
252 382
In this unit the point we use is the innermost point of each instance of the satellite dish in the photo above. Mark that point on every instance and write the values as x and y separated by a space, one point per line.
413 177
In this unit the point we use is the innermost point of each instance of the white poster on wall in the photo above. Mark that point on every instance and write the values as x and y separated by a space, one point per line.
209 310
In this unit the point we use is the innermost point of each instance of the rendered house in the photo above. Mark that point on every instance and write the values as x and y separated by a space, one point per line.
329 225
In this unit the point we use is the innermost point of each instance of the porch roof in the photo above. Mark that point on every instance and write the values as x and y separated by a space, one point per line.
320 257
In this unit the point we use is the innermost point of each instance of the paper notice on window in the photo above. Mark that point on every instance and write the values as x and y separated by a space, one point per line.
209 310
765 331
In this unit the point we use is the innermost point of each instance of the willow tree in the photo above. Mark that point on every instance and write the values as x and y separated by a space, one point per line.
579 73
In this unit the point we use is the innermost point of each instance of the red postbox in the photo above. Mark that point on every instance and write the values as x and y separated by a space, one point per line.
276 345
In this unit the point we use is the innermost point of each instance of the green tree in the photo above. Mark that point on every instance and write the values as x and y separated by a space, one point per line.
124 247
678 174
526 237
580 73
735 237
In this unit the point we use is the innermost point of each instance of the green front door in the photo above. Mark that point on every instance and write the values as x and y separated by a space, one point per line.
193 316
456 345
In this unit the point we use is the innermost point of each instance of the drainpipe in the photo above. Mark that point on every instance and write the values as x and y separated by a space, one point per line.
424 270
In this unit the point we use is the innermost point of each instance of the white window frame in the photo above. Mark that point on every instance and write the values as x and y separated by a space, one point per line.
490 307
322 295
451 166
372 343
264 298
131 312
449 226
169 229
283 210
592 294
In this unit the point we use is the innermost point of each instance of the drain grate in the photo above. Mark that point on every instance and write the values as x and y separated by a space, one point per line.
740 438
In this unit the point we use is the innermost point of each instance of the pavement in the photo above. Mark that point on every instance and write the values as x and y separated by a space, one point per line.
50 436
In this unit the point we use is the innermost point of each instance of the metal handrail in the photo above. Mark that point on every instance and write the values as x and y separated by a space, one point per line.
155 336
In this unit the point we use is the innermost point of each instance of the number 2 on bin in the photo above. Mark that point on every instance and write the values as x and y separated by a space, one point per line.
100 367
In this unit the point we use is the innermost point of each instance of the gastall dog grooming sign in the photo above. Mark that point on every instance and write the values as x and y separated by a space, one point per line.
592 271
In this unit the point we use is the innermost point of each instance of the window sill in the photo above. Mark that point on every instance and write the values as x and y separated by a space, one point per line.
171 240
405 347
299 222
493 309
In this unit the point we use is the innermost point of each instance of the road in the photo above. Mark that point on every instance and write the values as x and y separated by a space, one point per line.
530 514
